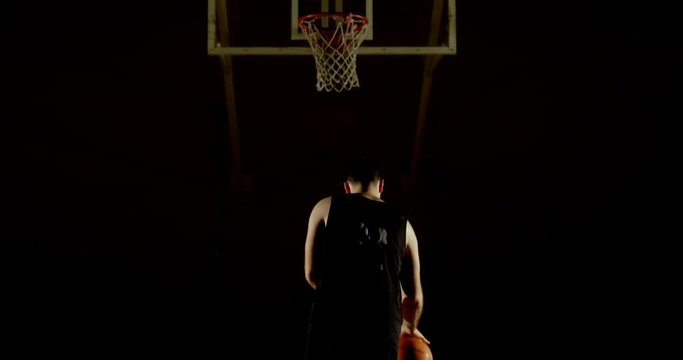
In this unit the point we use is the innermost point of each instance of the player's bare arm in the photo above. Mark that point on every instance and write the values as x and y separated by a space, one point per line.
413 299
317 218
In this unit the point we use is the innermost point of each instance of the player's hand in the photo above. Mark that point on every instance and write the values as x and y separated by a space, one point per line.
416 333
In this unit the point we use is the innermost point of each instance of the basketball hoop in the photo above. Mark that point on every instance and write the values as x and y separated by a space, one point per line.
335 49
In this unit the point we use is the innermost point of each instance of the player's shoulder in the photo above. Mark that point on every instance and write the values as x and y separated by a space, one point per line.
323 204
396 210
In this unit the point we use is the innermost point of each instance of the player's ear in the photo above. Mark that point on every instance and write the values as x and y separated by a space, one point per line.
381 185
347 187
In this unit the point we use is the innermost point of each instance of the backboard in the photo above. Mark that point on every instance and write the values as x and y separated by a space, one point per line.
270 27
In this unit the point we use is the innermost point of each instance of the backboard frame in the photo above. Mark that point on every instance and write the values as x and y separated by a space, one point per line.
215 48
296 34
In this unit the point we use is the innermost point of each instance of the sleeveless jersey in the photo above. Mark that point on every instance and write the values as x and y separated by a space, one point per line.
358 293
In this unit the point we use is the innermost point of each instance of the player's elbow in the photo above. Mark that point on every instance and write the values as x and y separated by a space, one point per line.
415 300
311 281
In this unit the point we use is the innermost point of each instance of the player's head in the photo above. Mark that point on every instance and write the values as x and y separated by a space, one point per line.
363 173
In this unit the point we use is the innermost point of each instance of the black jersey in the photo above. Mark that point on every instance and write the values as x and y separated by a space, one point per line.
358 293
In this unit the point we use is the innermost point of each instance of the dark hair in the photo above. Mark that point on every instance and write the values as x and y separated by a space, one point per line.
363 170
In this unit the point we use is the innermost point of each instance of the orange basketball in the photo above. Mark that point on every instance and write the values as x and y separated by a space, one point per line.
413 348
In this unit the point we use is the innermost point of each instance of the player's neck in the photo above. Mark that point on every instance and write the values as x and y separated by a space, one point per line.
370 195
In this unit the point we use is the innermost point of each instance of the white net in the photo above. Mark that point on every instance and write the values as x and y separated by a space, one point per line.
335 49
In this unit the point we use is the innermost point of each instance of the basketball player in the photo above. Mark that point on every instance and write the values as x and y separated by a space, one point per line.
361 257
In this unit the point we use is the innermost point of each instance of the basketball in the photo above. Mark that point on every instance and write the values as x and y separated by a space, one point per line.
413 348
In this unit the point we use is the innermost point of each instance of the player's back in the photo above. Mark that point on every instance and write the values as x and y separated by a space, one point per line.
358 288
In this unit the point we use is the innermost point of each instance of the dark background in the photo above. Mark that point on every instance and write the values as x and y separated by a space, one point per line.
543 183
